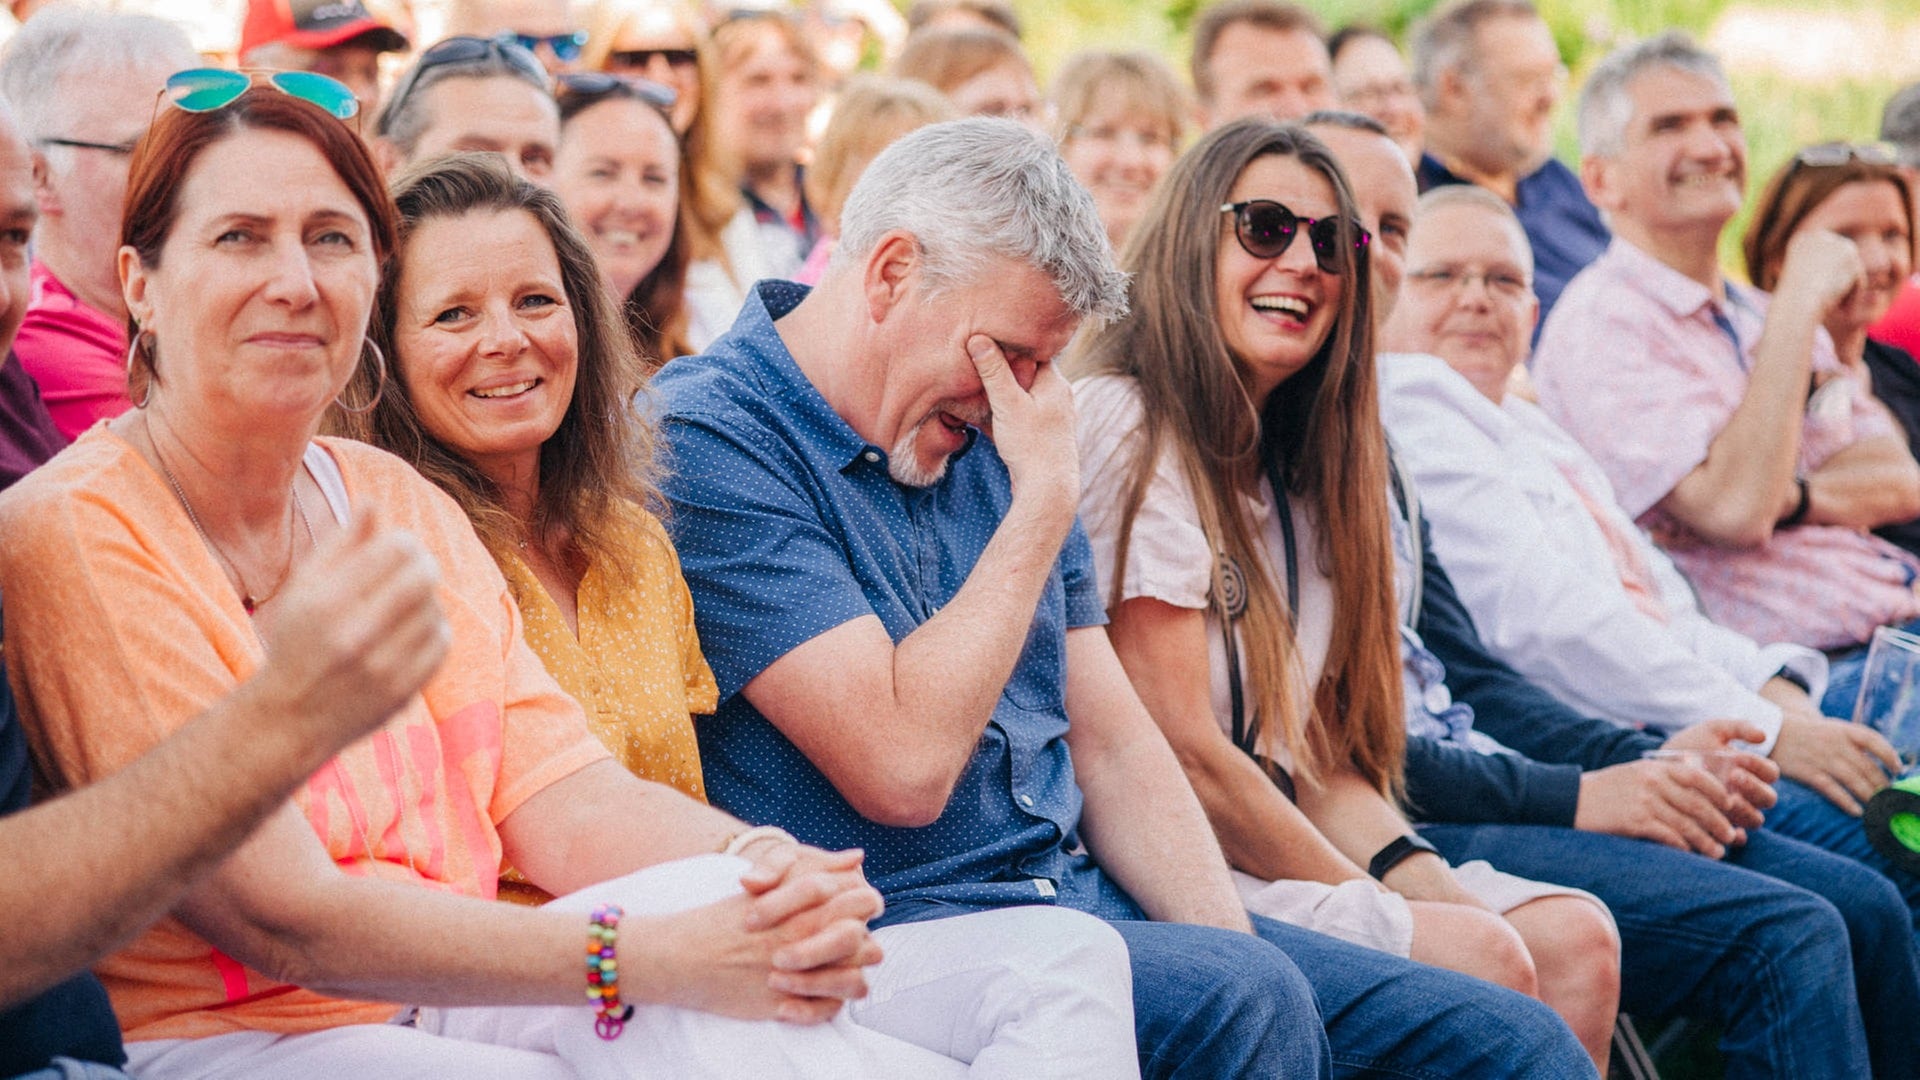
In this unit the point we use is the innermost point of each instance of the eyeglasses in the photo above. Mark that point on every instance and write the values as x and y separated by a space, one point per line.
464 49
199 90
593 84
119 149
565 47
1834 154
639 58
1266 230
1503 284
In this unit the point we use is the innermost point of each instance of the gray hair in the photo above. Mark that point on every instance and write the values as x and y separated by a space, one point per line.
1606 102
1345 120
1473 195
405 117
970 190
1900 123
1449 39
62 53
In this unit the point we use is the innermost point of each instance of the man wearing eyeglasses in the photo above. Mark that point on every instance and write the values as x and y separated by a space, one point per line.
1490 76
542 27
83 84
341 40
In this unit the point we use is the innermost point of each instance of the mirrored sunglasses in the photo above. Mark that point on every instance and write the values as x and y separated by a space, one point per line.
200 90
566 47
1266 230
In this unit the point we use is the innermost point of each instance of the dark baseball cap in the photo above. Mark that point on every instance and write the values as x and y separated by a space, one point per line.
315 24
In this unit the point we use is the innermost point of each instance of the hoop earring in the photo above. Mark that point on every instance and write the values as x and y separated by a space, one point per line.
379 388
153 372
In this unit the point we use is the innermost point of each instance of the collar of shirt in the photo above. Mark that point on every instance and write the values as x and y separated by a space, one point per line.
756 352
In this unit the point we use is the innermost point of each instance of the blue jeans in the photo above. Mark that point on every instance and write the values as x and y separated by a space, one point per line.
1763 945
1805 815
1211 1003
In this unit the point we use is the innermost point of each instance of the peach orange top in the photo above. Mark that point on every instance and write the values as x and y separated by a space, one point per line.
120 627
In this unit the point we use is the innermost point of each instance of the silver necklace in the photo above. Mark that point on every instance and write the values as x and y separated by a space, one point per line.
247 599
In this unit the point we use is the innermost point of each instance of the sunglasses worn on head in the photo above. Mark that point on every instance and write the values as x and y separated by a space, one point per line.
639 58
200 90
464 49
566 47
598 83
1266 230
1834 154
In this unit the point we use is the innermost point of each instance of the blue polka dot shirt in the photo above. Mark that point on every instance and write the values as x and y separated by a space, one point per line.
788 525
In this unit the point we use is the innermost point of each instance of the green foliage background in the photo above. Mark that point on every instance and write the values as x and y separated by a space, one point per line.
1781 113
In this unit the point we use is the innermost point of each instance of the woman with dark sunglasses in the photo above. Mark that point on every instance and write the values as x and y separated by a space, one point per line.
652 39
1236 490
159 547
619 170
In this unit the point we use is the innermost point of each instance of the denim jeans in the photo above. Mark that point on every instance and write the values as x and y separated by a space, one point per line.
1211 1003
1763 945
1805 815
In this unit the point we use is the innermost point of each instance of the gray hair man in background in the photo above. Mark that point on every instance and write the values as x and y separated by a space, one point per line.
471 93
83 84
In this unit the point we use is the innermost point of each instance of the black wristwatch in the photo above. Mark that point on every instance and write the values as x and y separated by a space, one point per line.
1799 512
1795 678
1397 852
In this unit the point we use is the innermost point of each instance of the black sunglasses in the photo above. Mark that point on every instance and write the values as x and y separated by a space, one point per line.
566 47
463 49
595 84
639 58
1266 230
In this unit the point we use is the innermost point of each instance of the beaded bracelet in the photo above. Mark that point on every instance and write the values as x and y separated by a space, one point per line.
603 973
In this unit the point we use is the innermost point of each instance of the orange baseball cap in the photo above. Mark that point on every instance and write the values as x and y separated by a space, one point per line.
315 24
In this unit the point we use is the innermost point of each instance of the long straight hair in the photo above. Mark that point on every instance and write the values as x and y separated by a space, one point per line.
1322 429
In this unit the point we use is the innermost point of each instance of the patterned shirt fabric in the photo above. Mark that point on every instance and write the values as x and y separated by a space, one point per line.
1561 223
76 354
788 525
1644 367
101 562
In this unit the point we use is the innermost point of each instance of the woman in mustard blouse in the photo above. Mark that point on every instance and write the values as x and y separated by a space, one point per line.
512 387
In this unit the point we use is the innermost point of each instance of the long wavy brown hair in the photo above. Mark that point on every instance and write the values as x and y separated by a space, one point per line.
1322 427
602 454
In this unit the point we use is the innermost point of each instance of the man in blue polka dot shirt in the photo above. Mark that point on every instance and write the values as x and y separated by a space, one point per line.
903 617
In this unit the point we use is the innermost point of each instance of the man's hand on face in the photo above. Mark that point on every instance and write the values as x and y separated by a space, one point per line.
1032 427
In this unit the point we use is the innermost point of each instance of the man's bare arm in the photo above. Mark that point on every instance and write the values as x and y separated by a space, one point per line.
1746 484
893 726
94 867
1872 483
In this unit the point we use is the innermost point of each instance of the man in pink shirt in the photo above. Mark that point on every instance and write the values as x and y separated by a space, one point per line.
1720 414
83 85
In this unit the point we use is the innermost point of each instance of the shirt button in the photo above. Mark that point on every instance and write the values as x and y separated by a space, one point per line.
872 456
1026 801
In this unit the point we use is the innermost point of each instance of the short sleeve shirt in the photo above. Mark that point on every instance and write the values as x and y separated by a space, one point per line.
1644 368
102 563
788 525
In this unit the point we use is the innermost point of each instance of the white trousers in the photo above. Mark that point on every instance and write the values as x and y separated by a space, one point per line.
1030 992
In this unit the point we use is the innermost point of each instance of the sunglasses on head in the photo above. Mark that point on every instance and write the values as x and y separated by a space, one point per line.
639 58
199 90
1835 154
566 47
463 49
592 84
1266 230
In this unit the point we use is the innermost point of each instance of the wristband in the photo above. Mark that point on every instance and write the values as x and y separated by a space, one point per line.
1794 677
1800 508
603 973
740 841
1397 851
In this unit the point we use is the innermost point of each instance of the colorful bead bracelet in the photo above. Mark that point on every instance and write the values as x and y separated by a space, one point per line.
603 973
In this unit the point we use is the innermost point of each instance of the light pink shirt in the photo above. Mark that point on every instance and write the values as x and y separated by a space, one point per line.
1635 366
76 354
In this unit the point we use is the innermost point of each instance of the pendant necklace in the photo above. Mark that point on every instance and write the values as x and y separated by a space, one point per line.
247 598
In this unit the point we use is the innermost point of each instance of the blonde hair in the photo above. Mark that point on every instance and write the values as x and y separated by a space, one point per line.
1139 81
872 111
946 57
